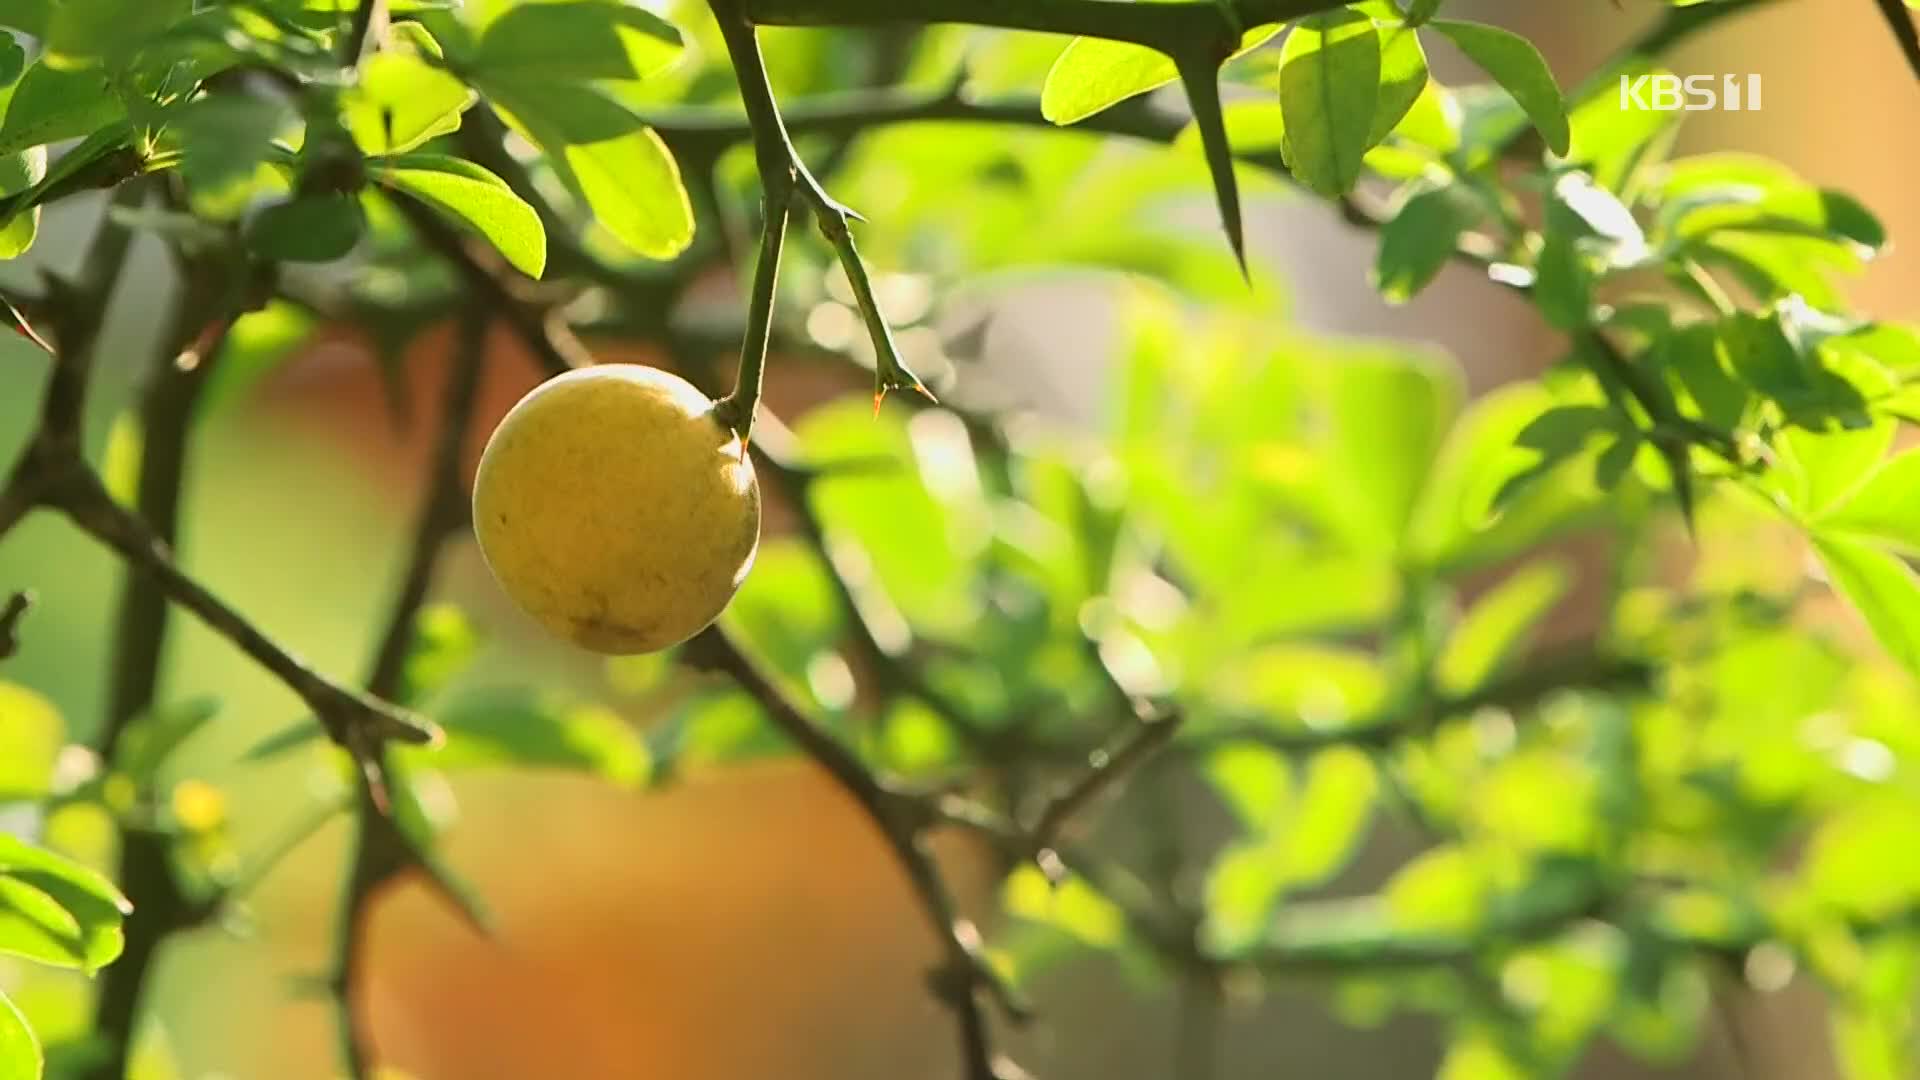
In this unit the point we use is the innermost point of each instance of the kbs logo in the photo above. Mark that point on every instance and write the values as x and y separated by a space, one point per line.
1694 93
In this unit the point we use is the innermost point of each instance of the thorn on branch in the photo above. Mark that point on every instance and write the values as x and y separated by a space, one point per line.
10 616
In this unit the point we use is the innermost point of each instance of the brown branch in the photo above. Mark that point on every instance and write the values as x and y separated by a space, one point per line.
1105 768
902 820
146 873
381 849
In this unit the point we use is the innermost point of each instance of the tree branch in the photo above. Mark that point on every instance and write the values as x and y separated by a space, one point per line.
902 821
784 175
146 873
1165 26
381 848
1900 20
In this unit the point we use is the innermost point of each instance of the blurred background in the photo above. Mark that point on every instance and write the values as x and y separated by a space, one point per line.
744 922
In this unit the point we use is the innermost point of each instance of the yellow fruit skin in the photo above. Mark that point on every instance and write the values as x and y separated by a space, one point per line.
615 509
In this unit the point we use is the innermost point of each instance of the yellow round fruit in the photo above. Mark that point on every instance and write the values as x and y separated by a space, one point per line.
614 508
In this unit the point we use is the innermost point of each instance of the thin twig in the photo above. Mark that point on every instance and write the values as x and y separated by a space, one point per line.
901 820
1105 768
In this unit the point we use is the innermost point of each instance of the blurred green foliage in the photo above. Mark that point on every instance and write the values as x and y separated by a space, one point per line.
1332 565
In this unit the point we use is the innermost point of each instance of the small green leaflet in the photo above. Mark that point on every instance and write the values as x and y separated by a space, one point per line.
1329 93
581 41
56 911
476 199
1092 74
1882 588
606 154
20 1056
1518 67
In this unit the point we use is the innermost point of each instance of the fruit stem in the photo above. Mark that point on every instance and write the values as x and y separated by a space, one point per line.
779 171
736 410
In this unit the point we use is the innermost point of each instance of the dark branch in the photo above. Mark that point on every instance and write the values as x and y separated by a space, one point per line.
16 608
901 821
1900 20
381 850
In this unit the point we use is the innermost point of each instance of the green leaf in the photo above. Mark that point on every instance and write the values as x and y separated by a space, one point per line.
1882 588
1330 92
1760 350
1330 817
223 140
1705 194
1420 238
530 729
84 33
1821 469
1885 509
48 105
20 171
617 164
13 59
1403 79
153 737
1391 412
571 42
97 908
476 199
1497 626
20 1056
310 228
401 102
1254 782
1092 74
1518 67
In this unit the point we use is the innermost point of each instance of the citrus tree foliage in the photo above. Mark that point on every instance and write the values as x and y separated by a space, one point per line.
1302 575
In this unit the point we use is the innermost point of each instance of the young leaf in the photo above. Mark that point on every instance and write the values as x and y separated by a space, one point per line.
617 164
1882 588
1498 625
84 33
1885 509
47 105
580 40
20 171
13 59
93 907
1092 74
1330 92
1403 78
475 198
1420 237
401 102
1516 65
311 228
20 1055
